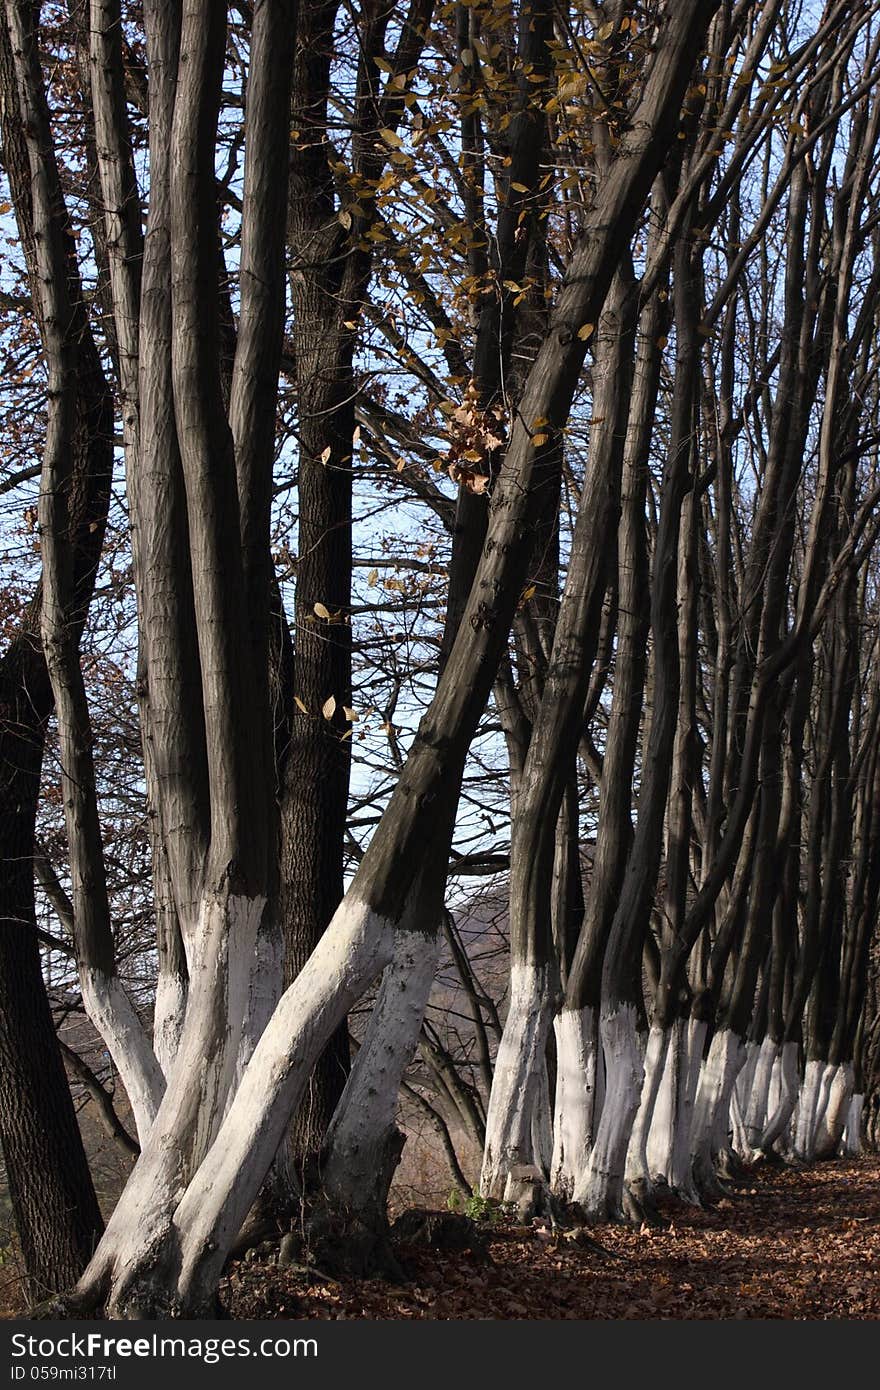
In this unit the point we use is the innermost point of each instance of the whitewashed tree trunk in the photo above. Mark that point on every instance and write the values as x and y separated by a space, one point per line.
668 1148
575 1110
723 1064
738 1141
743 1087
833 1122
758 1105
599 1189
112 1013
828 1072
518 1112
807 1111
851 1143
355 1171
210 1211
169 1013
678 1168
774 1090
195 1098
639 1173
780 1115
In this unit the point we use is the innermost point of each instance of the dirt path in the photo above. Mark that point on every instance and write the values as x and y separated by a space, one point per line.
795 1245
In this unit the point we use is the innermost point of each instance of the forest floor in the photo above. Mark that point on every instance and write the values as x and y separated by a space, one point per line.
789 1244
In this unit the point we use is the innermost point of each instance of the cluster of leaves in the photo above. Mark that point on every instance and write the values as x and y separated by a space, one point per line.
475 436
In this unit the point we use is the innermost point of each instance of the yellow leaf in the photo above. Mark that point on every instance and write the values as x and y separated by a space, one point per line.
350 714
299 704
373 578
528 593
328 709
573 84
322 611
539 439
586 331
325 455
391 138
662 340
520 187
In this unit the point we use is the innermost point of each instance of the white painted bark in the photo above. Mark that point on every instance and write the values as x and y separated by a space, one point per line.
668 1148
542 1123
600 1188
828 1074
774 1090
737 1127
519 1102
265 988
601 1081
807 1115
574 1112
833 1122
356 947
353 1174
223 953
678 1169
112 1013
851 1143
169 1013
720 1070
757 1108
639 1152
743 1088
195 1097
780 1115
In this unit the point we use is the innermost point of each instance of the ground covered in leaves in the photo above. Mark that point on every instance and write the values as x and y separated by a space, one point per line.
790 1244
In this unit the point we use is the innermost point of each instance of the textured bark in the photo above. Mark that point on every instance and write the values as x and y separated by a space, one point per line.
105 1001
314 796
175 737
53 1199
329 279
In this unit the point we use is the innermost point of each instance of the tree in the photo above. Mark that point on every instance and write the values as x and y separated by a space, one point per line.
584 268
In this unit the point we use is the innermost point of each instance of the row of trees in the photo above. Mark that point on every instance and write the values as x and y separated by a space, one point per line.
584 298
